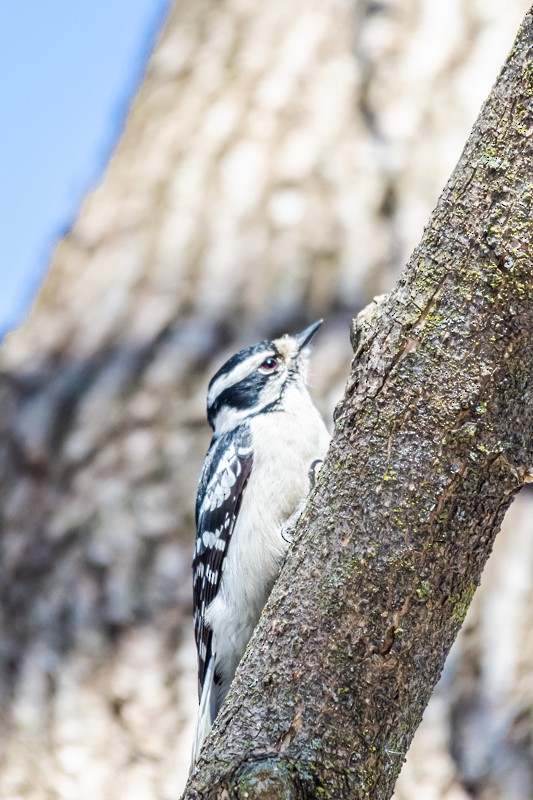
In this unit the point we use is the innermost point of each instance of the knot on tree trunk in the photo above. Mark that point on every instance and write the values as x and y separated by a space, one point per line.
269 780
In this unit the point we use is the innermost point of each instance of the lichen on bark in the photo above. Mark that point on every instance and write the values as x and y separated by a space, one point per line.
432 442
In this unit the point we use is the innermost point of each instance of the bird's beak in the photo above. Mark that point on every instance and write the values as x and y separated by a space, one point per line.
304 337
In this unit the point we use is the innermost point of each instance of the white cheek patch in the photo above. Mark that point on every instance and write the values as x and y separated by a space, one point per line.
272 390
229 418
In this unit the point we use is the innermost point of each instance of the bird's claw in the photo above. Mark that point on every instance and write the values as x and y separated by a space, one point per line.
314 469
287 529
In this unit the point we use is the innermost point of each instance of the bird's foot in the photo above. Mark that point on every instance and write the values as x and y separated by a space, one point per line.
314 469
288 527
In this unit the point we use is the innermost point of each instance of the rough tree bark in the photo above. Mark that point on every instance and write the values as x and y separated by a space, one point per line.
432 443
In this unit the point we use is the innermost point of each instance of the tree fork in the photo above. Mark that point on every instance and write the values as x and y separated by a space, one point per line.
432 442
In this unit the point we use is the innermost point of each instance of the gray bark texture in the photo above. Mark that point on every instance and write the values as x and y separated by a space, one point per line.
432 442
277 165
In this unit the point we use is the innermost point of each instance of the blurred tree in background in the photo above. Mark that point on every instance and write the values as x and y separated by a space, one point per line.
278 164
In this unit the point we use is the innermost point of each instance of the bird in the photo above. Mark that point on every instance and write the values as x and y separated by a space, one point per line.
268 438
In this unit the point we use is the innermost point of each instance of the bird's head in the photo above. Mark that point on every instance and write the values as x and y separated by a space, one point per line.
255 379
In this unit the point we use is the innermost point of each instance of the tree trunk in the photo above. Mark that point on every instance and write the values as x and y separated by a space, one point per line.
432 442
277 165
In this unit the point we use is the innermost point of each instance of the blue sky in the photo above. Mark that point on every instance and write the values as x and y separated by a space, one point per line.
68 71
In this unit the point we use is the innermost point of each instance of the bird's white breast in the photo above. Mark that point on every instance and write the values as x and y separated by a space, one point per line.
284 444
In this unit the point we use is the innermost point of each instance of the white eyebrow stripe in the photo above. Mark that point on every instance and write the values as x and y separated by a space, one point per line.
236 375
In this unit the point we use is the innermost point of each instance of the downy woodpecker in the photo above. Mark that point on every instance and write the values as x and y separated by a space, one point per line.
266 435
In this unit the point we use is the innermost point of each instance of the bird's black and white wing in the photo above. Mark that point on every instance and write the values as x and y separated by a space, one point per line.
222 484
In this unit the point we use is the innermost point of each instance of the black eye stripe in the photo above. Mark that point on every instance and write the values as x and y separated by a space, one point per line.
241 383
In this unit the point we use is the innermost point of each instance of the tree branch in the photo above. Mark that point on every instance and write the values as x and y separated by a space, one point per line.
432 442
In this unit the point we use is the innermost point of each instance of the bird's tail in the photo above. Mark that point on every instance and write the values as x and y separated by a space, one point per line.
207 711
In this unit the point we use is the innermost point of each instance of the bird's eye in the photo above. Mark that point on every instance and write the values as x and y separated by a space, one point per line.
269 364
